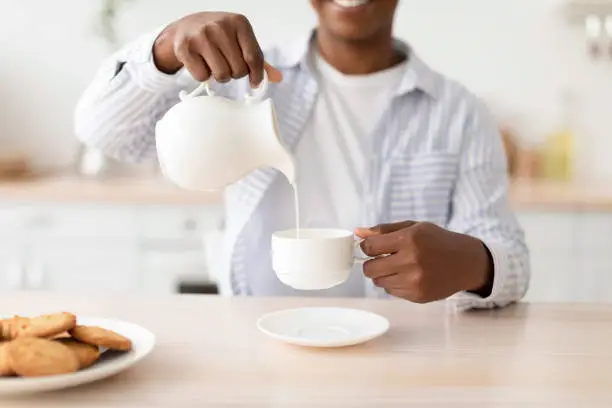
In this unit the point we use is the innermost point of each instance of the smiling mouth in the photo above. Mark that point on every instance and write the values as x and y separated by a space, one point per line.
350 3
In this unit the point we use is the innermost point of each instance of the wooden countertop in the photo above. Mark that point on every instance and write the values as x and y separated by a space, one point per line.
210 354
559 196
539 195
111 190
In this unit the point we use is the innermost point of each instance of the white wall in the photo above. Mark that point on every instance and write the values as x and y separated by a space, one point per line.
517 53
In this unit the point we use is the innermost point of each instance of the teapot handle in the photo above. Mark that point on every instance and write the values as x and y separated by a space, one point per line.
255 95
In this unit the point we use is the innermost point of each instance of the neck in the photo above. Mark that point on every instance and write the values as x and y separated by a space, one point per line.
358 57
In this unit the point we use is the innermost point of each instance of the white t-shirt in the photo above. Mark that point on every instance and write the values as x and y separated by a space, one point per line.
331 158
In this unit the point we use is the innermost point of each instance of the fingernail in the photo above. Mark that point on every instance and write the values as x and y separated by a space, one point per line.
363 232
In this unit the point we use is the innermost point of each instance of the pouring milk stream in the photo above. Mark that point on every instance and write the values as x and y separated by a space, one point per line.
207 142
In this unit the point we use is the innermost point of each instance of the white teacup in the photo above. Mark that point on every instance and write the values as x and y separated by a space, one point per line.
316 259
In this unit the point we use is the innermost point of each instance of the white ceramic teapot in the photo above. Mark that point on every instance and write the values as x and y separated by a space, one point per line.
209 142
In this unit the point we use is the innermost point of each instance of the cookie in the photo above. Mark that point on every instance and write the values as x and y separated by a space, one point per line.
62 335
97 336
4 329
35 357
85 353
5 367
10 327
44 326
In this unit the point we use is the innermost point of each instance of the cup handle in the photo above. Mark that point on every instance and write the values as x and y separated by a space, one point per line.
360 259
255 95
363 259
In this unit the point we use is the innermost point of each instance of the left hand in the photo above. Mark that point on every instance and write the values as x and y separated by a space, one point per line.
421 262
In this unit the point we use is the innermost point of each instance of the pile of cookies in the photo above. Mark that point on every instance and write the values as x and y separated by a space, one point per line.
52 344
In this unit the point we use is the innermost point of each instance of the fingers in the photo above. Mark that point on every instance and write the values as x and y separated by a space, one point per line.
401 285
223 61
274 75
251 52
391 282
221 45
383 229
390 243
382 267
396 276
253 55
229 47
219 66
365 232
385 238
193 62
401 294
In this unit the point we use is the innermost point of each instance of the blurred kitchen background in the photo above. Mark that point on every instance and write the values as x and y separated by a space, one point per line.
71 220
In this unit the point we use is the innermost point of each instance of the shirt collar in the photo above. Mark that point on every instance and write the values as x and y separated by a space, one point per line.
418 75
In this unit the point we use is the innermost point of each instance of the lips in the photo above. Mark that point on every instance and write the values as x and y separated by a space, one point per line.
350 3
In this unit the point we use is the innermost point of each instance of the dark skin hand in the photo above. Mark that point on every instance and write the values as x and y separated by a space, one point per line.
217 44
223 45
422 262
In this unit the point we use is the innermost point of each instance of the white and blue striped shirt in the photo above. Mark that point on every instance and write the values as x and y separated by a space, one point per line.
437 155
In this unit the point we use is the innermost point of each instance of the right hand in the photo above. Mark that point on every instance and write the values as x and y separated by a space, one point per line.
217 44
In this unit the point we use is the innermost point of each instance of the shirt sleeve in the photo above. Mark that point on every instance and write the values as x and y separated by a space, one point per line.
481 208
118 111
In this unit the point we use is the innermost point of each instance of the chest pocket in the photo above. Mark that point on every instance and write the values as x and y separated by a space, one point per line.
421 186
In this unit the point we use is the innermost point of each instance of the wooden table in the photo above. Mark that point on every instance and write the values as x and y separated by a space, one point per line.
210 354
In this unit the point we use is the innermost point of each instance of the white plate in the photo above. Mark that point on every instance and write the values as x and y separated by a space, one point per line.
323 326
110 363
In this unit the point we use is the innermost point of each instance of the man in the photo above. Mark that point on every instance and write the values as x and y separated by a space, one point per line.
380 139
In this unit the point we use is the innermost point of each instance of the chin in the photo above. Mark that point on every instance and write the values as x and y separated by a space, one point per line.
355 20
347 32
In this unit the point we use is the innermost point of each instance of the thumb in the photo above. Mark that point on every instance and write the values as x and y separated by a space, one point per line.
274 75
382 229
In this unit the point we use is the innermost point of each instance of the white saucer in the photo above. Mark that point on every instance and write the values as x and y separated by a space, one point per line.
110 363
323 326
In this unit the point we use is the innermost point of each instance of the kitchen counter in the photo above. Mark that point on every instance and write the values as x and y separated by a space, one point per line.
525 195
210 353
111 190
559 196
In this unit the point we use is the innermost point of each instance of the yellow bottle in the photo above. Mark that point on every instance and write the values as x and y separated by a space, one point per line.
558 155
559 148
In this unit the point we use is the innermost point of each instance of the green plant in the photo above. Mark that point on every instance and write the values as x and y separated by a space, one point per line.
109 11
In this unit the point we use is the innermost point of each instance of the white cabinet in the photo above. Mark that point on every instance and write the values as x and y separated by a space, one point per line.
159 269
593 242
571 255
83 269
550 238
12 267
169 224
95 248
149 249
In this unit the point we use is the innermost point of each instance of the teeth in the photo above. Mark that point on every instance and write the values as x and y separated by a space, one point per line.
351 3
